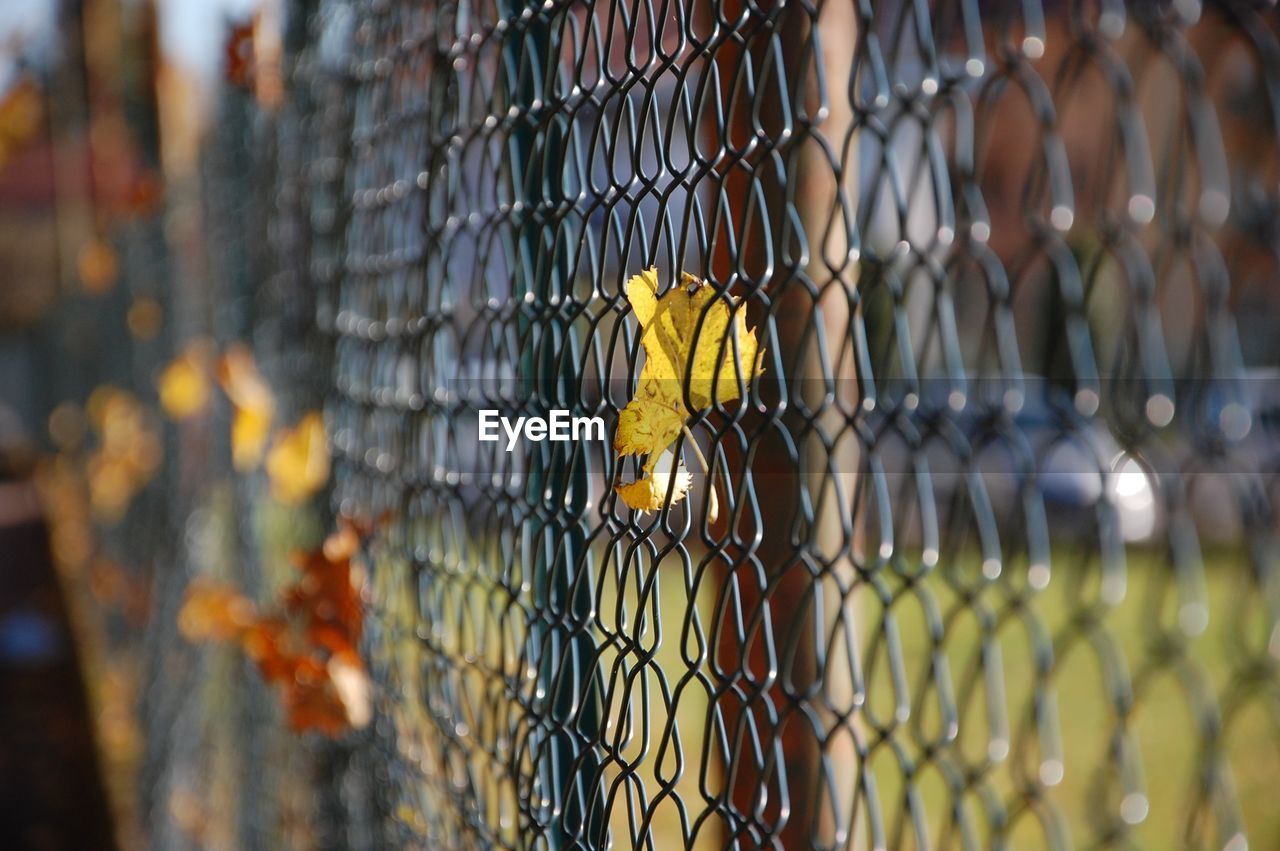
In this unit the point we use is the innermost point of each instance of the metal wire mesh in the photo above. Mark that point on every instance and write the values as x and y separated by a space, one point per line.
222 769
995 563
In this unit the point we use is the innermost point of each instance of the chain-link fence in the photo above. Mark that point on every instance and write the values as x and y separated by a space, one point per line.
994 560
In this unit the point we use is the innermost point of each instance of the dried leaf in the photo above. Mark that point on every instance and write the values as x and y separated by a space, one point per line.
249 431
238 54
127 454
252 58
344 543
690 337
184 383
254 406
270 643
312 702
298 463
215 612
326 596
308 649
650 492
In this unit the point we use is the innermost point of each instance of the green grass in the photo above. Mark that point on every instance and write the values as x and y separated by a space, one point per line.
1176 679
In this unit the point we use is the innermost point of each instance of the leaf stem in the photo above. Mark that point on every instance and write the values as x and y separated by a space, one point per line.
713 502
697 450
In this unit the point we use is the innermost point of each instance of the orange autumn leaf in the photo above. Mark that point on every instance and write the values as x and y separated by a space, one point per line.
213 611
312 702
270 644
252 57
327 596
237 53
345 543
184 383
253 403
298 463
306 647
127 452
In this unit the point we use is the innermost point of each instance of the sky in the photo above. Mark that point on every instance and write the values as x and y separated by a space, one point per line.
192 33
26 33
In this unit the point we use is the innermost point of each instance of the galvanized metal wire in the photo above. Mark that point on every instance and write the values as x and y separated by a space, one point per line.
997 517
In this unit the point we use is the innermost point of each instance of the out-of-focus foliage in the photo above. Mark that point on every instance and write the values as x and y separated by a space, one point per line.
184 384
298 463
254 406
306 644
21 113
127 454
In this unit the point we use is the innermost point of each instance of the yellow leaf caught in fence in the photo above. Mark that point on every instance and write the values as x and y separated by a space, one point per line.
254 406
650 492
184 383
298 463
694 338
250 428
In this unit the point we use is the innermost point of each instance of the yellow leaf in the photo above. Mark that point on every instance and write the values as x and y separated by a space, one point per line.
691 336
109 487
254 406
249 432
645 424
650 492
298 464
184 383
